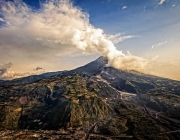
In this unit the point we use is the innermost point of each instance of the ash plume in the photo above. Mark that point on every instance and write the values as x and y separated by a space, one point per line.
60 25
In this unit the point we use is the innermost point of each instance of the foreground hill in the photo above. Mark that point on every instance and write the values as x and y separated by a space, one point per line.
92 102
71 100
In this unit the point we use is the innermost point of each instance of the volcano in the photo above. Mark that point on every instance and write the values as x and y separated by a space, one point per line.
94 101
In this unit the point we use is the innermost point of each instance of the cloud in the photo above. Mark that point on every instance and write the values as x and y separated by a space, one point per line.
168 63
174 63
38 68
144 8
124 7
161 2
155 58
117 38
4 68
60 28
1 20
127 61
7 74
158 44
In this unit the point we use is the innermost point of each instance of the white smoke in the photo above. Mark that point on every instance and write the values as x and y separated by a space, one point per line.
62 25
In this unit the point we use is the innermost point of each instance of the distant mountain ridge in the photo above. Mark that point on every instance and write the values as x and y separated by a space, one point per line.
95 67
2 81
29 79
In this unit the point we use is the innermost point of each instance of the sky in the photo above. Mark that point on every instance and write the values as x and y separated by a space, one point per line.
38 36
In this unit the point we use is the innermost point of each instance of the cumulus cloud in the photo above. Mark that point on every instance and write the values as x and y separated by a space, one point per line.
161 2
158 44
124 7
59 26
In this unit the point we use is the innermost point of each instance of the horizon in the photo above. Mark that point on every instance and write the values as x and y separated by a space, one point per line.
130 71
142 36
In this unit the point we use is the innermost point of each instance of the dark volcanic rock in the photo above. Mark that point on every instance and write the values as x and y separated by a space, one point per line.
93 67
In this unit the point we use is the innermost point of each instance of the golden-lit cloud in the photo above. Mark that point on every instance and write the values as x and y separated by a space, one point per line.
6 73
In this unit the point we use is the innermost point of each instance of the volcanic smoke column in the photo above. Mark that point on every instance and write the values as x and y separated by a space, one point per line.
60 25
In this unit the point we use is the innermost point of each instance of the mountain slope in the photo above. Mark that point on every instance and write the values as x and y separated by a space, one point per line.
156 92
94 102
129 81
92 67
71 100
